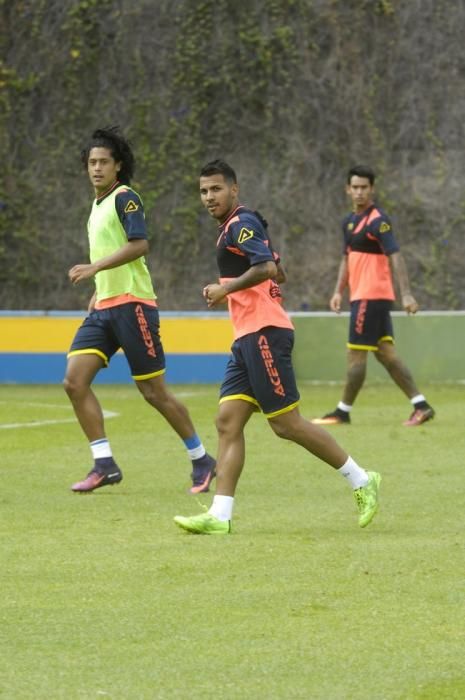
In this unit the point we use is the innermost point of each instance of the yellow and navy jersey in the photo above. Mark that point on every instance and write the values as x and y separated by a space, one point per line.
242 243
116 218
368 242
130 210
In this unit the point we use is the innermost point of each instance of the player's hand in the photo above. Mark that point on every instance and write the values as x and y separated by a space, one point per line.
81 272
214 294
409 303
335 302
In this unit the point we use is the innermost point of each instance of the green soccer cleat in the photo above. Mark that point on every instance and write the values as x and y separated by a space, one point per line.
204 524
367 499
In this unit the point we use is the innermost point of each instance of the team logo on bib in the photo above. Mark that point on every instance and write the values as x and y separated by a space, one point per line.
130 207
244 235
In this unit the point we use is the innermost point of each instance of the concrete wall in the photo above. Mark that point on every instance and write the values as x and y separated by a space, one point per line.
432 345
33 347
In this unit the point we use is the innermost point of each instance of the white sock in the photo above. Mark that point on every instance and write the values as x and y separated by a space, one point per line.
355 475
417 399
101 448
197 452
222 507
344 406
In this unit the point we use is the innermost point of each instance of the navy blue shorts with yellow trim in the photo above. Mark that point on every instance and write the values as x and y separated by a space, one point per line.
260 371
370 324
133 327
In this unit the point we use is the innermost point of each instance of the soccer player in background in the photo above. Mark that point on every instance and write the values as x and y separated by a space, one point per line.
259 374
369 248
122 314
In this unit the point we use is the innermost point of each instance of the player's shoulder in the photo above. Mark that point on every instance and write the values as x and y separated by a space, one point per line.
127 199
246 215
379 213
250 219
347 219
379 219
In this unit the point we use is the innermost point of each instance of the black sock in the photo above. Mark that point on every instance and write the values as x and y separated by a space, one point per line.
105 463
204 461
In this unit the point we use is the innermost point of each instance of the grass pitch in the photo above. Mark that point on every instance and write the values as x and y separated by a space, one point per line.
103 597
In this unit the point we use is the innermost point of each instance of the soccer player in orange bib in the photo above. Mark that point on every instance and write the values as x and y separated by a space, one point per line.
259 374
369 248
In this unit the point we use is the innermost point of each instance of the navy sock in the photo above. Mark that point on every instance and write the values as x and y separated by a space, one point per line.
204 461
105 463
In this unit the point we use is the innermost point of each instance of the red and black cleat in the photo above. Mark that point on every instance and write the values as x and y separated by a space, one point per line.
419 416
202 474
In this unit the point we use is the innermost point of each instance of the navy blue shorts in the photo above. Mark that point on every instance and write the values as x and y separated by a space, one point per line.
134 328
370 324
260 371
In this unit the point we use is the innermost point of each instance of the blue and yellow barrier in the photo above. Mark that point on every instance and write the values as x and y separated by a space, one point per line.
33 347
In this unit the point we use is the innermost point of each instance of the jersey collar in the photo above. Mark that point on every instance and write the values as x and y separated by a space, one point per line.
366 211
111 189
233 213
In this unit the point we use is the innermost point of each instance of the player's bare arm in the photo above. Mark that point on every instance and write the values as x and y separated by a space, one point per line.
216 293
400 271
127 253
341 283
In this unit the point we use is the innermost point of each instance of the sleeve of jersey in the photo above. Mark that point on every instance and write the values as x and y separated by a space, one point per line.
382 230
251 240
131 214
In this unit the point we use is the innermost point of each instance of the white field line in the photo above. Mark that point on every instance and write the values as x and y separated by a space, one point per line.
39 423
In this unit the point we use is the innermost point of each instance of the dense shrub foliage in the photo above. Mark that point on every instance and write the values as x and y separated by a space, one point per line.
291 92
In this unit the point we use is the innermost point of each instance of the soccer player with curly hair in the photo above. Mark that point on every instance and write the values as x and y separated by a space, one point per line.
122 313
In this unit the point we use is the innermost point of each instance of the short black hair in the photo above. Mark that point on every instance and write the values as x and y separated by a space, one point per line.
111 137
361 171
219 167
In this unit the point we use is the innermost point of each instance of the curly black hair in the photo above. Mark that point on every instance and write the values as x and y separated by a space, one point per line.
110 137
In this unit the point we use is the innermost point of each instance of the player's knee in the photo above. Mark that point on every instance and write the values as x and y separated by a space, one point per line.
155 398
283 429
227 425
71 385
67 385
222 424
389 362
357 372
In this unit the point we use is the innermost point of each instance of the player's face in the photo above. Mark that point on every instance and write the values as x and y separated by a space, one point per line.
360 191
102 168
218 196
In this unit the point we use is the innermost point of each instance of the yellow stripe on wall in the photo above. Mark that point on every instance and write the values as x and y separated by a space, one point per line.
55 334
37 333
197 334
